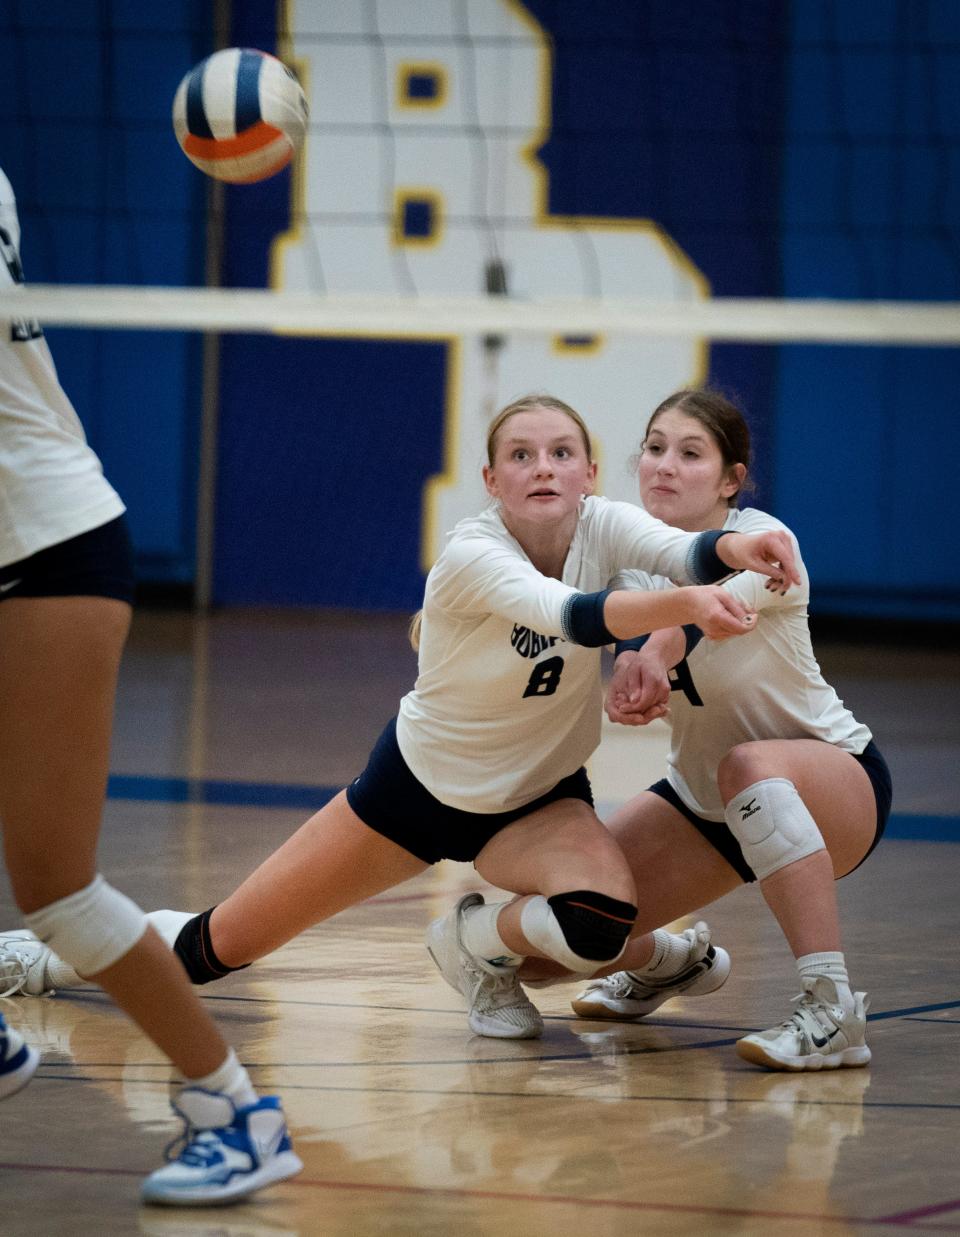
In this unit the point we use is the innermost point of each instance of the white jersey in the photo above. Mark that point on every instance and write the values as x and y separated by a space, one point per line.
51 484
764 685
505 706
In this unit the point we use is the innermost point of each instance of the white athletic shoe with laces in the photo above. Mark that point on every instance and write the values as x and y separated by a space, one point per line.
626 996
224 1153
819 1034
23 964
26 964
497 1004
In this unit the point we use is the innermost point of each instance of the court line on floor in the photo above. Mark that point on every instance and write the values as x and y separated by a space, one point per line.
472 1092
565 1200
232 793
623 1048
907 1218
879 1016
96 997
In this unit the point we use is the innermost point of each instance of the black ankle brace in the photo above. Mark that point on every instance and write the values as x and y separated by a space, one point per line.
194 948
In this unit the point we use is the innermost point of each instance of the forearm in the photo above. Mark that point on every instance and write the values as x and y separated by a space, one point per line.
628 613
669 644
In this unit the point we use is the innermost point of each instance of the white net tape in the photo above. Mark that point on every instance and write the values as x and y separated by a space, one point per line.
253 310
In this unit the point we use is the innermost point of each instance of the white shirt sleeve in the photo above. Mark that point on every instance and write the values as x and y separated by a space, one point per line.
478 575
632 538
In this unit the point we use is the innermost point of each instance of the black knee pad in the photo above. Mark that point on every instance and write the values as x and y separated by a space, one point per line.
594 926
194 948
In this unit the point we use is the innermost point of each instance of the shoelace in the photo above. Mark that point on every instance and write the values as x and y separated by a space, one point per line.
501 991
14 965
198 1148
623 985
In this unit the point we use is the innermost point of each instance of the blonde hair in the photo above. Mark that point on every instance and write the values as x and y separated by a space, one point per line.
526 403
413 631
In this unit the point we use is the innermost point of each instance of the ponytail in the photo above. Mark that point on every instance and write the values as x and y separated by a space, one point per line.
413 631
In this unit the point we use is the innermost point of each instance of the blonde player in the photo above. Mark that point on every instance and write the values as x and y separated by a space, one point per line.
484 763
66 586
769 776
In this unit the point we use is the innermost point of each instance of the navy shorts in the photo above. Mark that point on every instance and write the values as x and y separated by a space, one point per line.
387 797
98 563
718 834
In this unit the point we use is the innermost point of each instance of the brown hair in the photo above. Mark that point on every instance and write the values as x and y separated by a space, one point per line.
527 403
721 418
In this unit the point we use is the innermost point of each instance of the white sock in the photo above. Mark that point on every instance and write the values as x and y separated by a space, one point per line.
831 966
670 954
60 974
480 936
229 1079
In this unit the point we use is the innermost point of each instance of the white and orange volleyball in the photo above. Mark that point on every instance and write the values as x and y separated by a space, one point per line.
240 115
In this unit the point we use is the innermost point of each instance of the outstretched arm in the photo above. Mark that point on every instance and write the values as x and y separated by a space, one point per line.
770 554
628 612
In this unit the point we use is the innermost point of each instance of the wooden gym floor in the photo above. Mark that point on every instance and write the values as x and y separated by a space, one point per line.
227 731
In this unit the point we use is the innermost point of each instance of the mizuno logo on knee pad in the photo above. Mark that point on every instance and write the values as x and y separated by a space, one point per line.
786 833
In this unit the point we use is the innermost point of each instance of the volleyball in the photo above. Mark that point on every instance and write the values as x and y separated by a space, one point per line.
240 115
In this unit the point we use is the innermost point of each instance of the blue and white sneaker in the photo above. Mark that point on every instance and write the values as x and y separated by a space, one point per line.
17 1060
224 1152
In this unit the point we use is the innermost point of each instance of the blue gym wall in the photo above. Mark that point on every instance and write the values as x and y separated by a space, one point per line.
809 148
105 196
867 439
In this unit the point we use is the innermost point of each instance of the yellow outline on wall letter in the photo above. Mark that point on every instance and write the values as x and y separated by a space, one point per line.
539 214
531 154
420 68
585 345
400 198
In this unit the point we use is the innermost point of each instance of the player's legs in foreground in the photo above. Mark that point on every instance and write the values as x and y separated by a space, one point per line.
828 1025
59 659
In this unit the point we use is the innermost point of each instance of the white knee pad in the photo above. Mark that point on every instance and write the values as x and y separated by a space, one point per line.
92 928
772 825
542 928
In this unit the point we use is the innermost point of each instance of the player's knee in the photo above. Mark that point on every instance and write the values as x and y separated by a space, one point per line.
740 767
92 928
773 825
592 856
581 930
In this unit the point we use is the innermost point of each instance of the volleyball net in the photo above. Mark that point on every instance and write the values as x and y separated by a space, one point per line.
720 319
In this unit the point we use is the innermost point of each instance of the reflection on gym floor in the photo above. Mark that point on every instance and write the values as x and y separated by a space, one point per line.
407 1123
